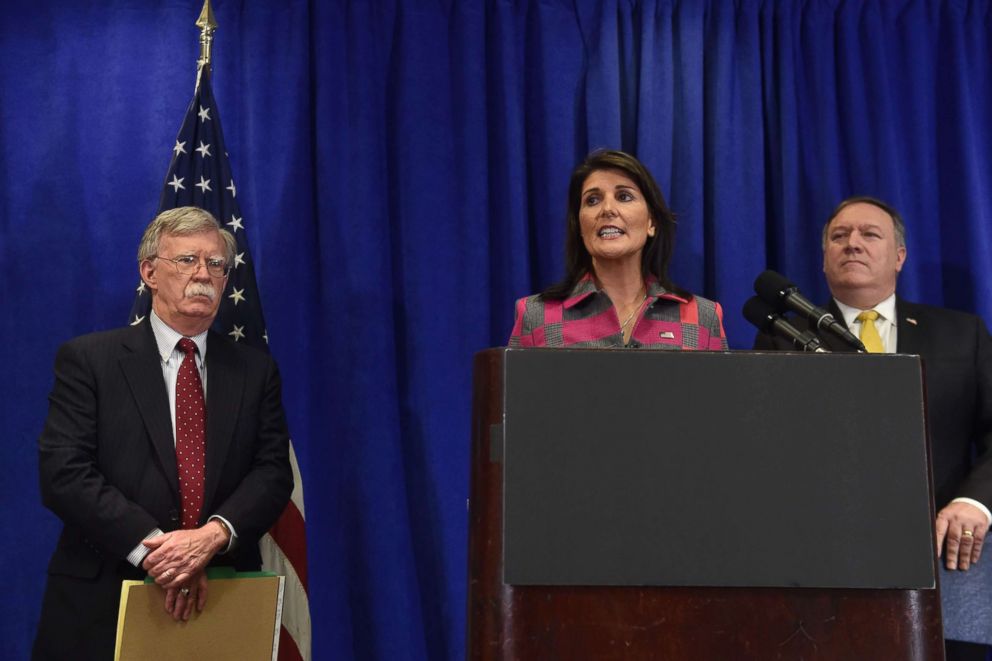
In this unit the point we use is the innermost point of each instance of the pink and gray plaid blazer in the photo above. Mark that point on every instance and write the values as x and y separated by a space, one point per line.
587 319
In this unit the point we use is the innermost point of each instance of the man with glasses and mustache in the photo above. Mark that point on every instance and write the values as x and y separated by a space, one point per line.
165 448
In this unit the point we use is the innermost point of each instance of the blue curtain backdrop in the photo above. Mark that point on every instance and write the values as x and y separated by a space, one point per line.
402 167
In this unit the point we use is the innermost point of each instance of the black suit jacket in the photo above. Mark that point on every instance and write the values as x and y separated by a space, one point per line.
108 469
957 355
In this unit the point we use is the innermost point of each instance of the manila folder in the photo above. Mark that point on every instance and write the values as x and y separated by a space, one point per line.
240 621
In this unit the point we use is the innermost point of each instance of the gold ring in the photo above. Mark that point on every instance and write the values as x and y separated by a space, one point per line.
967 533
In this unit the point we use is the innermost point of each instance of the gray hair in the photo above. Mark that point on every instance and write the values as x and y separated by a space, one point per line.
897 223
182 221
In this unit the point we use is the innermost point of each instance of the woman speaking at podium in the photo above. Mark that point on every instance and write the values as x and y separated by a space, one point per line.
616 291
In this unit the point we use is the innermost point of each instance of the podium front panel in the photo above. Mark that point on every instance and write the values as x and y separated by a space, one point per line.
654 468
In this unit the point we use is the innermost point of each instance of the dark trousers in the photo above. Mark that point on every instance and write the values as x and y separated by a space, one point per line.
956 650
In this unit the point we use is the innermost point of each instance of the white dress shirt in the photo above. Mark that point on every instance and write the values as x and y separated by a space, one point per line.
167 338
885 324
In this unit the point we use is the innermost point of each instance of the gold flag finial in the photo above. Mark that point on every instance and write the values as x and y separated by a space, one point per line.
207 24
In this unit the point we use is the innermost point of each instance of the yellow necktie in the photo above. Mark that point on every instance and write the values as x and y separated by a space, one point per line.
869 334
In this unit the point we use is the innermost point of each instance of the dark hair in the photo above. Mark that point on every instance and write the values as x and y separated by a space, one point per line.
657 251
897 224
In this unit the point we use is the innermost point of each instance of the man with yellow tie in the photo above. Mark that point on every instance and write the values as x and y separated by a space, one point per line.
864 249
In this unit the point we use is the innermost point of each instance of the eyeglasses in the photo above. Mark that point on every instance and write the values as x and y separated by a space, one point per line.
190 264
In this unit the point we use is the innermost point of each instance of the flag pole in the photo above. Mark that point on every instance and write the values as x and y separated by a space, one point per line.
207 24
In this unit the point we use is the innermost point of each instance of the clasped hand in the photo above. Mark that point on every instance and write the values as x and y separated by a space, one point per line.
176 556
179 602
177 561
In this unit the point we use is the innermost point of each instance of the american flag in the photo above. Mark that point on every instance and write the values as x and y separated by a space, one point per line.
200 175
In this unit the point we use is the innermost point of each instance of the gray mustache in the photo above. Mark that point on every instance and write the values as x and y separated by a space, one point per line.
200 289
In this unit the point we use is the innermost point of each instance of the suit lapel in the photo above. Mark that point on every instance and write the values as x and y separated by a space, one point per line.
142 367
225 383
910 336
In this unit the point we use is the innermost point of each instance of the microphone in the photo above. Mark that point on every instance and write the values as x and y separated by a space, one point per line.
765 317
776 290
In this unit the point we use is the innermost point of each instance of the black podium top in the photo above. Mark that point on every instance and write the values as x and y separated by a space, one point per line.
715 469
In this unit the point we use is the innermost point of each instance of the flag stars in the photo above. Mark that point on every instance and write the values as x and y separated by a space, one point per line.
204 114
239 259
234 191
137 320
141 288
204 185
238 333
265 336
180 148
203 149
237 295
235 224
176 183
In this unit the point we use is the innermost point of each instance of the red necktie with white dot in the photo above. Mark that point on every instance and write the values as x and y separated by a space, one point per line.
191 425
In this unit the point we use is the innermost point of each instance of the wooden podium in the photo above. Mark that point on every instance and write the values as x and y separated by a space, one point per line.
677 505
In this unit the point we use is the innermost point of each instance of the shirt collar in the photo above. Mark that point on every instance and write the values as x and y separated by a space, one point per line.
886 309
166 338
586 286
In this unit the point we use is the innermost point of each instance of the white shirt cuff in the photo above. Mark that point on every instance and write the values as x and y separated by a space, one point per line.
234 534
137 555
972 501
